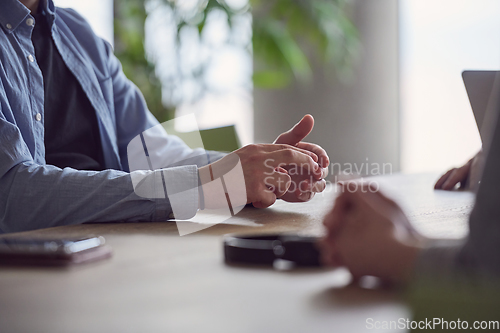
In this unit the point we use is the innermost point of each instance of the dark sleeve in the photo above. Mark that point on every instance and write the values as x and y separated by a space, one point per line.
479 254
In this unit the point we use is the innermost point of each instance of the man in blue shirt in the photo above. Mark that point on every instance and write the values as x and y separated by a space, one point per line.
67 116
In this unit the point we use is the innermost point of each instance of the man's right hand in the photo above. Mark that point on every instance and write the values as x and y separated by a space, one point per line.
263 169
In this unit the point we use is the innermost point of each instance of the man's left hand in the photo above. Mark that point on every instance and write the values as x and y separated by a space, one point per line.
303 186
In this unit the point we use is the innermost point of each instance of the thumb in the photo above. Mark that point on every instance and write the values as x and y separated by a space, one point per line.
298 132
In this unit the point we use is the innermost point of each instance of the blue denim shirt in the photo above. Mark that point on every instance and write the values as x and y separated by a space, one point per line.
35 195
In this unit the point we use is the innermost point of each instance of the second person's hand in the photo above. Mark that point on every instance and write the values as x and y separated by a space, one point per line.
464 175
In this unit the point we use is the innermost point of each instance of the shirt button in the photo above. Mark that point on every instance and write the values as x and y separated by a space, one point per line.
8 26
30 21
31 58
38 117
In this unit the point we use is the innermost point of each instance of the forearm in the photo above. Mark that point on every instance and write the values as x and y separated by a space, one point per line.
35 196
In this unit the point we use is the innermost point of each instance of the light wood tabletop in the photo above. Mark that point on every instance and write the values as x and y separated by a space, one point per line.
158 281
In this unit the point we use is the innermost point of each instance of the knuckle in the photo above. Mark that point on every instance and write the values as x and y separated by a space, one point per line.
253 148
325 172
257 147
288 153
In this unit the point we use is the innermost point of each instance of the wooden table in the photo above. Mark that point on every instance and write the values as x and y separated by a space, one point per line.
158 281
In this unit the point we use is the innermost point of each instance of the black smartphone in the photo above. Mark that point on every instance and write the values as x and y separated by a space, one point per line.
52 252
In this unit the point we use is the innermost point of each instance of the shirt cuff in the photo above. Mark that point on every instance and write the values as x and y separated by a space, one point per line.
181 184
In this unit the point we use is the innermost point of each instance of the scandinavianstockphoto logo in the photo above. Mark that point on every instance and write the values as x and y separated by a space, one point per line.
154 162
352 177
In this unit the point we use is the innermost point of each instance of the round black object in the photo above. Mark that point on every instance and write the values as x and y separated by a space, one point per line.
265 249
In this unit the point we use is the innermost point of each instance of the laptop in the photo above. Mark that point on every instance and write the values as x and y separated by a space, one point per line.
479 86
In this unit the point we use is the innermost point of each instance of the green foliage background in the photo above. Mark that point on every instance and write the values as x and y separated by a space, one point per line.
282 31
129 19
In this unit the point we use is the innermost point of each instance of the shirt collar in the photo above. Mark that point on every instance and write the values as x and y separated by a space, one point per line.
47 9
12 13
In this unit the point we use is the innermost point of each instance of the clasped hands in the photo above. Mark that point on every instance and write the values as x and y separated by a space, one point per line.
369 234
289 169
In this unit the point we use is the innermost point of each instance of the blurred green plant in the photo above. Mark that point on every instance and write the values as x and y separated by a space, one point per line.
289 37
129 19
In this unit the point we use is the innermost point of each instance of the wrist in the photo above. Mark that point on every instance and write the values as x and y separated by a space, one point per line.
204 174
213 196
